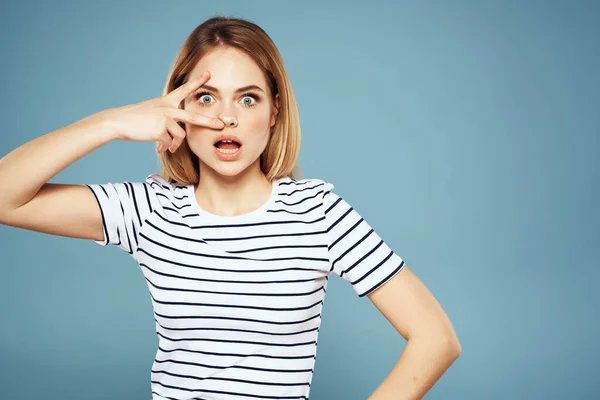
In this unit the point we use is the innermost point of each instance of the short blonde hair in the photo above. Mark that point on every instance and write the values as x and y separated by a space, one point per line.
279 158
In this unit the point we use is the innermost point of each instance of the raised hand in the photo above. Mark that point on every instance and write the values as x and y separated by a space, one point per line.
155 120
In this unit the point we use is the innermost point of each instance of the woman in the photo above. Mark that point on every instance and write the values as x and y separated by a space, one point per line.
235 247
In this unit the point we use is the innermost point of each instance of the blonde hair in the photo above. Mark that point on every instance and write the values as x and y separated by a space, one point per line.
279 158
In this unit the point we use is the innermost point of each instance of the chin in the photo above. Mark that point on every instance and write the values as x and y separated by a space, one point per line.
228 168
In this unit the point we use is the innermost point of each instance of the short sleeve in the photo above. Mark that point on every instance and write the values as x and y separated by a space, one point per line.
356 252
124 207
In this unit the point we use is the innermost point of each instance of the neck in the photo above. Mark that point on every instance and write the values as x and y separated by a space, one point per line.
232 195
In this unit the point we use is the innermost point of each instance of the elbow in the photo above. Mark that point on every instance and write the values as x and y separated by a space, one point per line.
456 348
451 345
445 344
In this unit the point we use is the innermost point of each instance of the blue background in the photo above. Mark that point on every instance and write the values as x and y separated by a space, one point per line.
466 133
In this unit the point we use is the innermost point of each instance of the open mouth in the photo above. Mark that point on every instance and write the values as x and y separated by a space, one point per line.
227 146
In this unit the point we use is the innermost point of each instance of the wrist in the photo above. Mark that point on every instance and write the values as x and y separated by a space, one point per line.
107 125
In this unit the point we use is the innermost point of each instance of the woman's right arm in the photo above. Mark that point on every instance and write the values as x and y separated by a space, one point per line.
28 201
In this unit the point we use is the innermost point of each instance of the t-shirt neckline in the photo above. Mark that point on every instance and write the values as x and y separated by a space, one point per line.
224 218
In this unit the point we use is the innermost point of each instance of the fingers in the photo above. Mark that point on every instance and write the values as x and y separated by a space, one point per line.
172 138
183 91
177 114
164 144
178 134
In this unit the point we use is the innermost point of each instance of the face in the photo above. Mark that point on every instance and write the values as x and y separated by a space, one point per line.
248 114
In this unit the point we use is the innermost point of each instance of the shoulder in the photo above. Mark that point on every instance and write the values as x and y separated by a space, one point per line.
160 185
167 193
312 184
314 188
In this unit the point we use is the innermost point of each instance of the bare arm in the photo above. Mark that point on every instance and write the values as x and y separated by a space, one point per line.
432 345
28 201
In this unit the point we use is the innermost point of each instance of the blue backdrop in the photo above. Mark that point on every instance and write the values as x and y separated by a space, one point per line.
466 133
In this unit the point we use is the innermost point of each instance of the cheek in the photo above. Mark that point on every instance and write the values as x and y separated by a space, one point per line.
199 138
257 125
196 132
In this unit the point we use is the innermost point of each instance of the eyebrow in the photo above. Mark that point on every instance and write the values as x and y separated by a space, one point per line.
242 89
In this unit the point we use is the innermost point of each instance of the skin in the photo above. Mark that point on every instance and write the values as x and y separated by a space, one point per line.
230 188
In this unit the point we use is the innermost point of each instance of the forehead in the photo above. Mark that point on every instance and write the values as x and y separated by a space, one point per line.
229 69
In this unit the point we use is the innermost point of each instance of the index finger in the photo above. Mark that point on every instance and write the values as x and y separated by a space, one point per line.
183 91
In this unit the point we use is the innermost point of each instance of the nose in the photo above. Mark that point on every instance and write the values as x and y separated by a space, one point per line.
228 120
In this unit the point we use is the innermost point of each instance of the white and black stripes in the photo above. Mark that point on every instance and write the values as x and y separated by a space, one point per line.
356 251
237 300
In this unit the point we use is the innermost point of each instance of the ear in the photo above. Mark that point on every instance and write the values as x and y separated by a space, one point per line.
275 111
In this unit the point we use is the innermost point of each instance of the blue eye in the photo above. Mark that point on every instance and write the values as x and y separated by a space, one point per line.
253 97
200 97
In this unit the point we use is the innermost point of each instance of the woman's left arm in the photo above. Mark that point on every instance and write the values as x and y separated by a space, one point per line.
432 345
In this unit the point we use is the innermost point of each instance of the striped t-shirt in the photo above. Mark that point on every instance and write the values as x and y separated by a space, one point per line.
237 299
